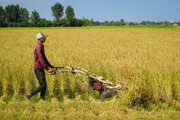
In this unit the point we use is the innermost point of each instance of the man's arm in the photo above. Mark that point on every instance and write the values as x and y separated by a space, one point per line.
47 62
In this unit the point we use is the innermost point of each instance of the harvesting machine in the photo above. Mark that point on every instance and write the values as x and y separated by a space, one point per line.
106 88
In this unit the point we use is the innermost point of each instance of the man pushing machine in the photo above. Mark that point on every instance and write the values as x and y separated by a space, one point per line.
105 87
40 63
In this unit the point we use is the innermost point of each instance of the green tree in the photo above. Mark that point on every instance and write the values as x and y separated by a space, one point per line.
79 22
97 23
86 22
70 16
106 23
57 10
133 23
2 17
24 16
92 22
43 23
122 22
35 18
12 14
112 23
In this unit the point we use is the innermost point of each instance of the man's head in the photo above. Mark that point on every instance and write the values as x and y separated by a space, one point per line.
41 37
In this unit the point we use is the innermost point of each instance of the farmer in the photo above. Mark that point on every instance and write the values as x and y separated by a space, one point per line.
40 63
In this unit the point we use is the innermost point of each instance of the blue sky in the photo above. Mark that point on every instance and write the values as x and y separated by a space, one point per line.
102 10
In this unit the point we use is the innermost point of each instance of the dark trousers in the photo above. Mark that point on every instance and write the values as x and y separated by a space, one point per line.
42 83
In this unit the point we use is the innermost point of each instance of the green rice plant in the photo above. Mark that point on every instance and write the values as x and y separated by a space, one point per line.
51 81
16 82
5 81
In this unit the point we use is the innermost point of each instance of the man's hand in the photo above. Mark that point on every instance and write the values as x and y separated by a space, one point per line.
50 70
52 66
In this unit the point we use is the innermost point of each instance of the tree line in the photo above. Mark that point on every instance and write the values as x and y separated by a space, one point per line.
16 16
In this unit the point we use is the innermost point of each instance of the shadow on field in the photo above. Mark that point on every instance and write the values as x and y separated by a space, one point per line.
57 90
1 89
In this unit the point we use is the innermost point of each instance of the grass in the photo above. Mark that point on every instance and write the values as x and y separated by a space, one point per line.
93 27
78 109
146 59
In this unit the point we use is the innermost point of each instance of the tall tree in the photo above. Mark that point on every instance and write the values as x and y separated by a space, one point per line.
122 22
1 16
35 18
12 14
24 15
70 16
92 22
57 10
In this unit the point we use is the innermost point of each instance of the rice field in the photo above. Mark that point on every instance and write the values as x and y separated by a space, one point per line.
147 60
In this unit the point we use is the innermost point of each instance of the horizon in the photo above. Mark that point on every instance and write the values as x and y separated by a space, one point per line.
101 10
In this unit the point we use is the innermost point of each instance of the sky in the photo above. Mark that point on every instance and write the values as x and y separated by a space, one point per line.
107 10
